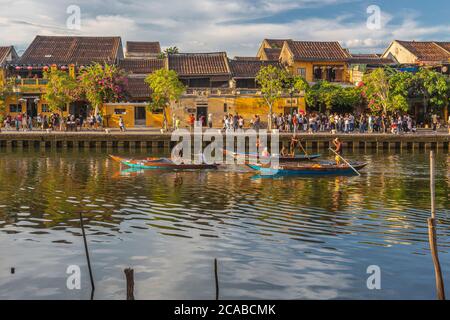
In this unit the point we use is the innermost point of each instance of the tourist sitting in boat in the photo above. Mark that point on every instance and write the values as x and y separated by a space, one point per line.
284 151
265 153
338 144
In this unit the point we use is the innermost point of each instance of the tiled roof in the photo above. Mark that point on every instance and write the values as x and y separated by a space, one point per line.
272 54
199 64
137 88
317 51
141 66
369 58
276 43
445 45
426 50
143 48
249 69
72 50
4 51
246 58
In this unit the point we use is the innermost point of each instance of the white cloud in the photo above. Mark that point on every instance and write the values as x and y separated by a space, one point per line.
205 25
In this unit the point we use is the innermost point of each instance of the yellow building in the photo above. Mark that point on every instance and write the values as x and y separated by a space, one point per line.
270 49
25 75
316 61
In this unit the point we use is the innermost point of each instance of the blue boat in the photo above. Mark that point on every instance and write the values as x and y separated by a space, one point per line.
252 156
308 169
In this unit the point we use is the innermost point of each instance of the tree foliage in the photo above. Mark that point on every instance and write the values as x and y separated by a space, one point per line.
60 91
103 83
273 83
166 88
333 97
390 90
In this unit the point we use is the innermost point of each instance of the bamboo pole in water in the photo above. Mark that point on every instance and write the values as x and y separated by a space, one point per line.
432 234
216 275
129 275
87 257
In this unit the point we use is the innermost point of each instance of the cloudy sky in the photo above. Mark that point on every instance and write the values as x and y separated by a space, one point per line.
235 26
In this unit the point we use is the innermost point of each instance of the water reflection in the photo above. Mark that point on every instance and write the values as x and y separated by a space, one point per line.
277 238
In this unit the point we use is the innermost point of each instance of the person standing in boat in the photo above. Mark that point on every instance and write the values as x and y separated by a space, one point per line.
338 145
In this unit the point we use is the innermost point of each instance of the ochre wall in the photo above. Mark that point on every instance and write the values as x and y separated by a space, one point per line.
400 53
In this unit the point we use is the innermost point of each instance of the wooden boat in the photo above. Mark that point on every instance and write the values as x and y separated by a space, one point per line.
308 169
296 158
119 159
162 164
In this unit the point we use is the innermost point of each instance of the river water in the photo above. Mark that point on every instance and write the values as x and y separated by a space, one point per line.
284 238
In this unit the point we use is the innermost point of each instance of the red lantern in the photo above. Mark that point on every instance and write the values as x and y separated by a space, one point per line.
18 68
63 68
45 68
29 68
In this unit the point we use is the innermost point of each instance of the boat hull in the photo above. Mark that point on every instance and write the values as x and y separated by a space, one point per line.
315 170
168 166
254 156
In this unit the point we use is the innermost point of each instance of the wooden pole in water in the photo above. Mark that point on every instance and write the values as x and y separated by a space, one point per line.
432 185
87 257
432 235
129 275
216 275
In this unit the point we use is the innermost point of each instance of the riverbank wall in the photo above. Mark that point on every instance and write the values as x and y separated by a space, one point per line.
156 140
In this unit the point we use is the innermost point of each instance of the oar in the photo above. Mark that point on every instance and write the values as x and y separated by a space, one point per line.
346 161
301 146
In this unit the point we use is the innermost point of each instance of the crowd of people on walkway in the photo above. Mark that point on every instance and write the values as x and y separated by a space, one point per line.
332 123
53 121
344 123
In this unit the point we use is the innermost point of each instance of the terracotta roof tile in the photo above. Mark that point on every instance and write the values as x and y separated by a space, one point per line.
426 50
199 64
246 58
369 58
272 54
276 43
141 66
317 51
249 69
4 51
137 88
143 48
72 50
445 45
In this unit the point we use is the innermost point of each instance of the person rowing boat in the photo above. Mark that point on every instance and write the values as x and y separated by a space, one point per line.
338 144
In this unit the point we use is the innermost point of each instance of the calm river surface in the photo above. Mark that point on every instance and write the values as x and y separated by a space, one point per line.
291 238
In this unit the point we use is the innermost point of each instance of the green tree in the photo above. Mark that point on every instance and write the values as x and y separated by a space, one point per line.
170 50
102 83
435 88
166 89
385 91
326 96
60 91
273 83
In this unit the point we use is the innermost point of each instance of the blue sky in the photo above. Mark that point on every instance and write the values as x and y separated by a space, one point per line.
235 26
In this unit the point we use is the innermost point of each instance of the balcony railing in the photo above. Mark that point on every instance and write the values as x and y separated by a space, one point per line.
221 91
30 82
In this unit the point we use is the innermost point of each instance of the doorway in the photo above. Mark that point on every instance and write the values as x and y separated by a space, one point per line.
32 108
139 116
202 112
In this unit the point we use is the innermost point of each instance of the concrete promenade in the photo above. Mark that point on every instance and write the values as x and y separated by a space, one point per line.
153 138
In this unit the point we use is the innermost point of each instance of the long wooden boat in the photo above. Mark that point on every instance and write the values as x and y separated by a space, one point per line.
161 164
251 156
308 169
